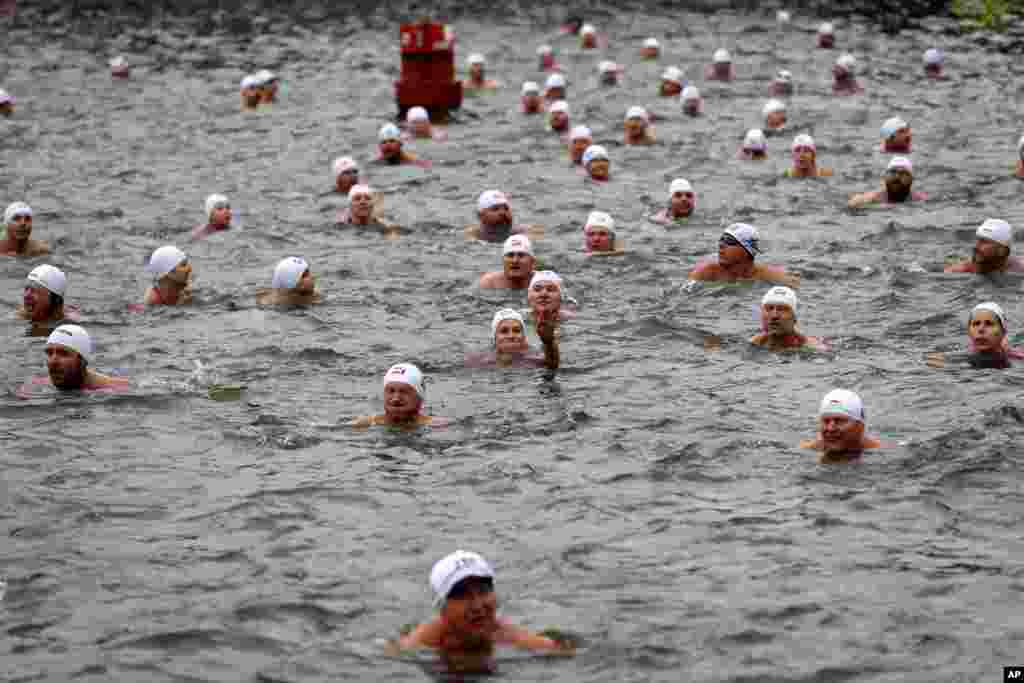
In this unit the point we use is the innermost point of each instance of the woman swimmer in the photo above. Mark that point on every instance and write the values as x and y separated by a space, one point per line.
599 236
987 342
511 347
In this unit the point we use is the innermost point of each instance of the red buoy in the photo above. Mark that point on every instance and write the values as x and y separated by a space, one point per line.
428 70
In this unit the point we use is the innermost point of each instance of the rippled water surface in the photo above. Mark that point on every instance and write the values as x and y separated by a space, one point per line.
649 497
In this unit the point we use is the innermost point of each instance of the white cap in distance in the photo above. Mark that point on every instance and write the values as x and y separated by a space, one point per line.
345 164
359 189
651 42
406 373
754 139
555 81
996 230
388 132
288 272
900 164
530 88
599 219
803 140
48 277
594 152
842 402
825 29
782 296
580 133
746 235
673 74
636 112
773 106
456 567
517 244
690 92
416 114
721 56
892 125
491 198
506 314
215 201
475 58
165 259
933 56
679 185
72 337
559 106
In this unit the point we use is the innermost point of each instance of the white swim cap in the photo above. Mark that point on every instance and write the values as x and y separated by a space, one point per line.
746 235
343 164
544 50
673 74
690 92
5 97
288 272
491 198
847 61
679 185
651 42
531 88
546 276
215 201
16 209
637 113
165 259
249 82
506 314
773 106
406 373
388 132
416 114
892 125
118 62
587 29
264 76
600 219
517 244
475 58
583 133
825 29
780 295
560 105
555 81
842 402
359 189
933 55
49 277
755 139
454 568
996 230
803 140
721 56
1020 143
784 75
607 66
594 152
73 337
993 308
897 163
782 16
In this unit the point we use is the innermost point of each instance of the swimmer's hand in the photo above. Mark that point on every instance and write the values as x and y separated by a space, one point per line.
547 330
712 342
935 359
566 642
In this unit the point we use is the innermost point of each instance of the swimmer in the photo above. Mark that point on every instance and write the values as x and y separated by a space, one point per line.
517 260
346 174
609 72
119 67
418 124
546 58
596 162
580 138
781 85
692 102
844 78
897 186
991 251
638 128
293 284
754 147
896 136
478 74
468 623
737 248
720 68
558 116
1019 171
933 60
545 296
599 236
530 101
389 146
650 49
363 207
511 347
805 159
250 92
841 436
555 88
496 224
404 395
987 340
172 277
19 242
588 37
43 297
774 113
779 330
826 37
218 216
266 85
681 202
671 82
68 353
6 103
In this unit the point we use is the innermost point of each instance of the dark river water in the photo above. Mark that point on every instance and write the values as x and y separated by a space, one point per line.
649 497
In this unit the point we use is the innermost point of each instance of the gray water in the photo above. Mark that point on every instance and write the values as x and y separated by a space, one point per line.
649 497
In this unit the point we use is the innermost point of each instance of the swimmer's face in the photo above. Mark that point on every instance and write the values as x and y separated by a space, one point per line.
556 93
20 227
401 402
898 181
826 40
472 607
599 239
805 158
517 264
722 69
532 103
181 273
6 108
691 107
902 138
510 337
840 73
421 128
731 252
599 169
682 203
558 120
578 146
36 301
989 252
635 127
545 297
496 215
362 205
986 331
476 72
64 366
221 215
840 433
670 88
649 52
933 70
776 119
390 149
588 40
306 283
778 319
345 180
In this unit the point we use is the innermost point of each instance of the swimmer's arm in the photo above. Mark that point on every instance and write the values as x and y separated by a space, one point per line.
935 359
40 247
528 640
547 330
534 231
471 232
961 267
824 172
701 273
490 280
99 380
423 636
776 275
362 422
862 199
813 444
758 339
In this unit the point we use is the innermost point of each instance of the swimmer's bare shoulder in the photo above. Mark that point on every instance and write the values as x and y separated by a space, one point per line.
494 280
367 421
769 273
37 248
509 634
471 232
705 271
97 380
961 267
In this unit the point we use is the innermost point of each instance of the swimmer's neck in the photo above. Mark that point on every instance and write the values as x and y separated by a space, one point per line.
13 245
518 282
675 214
992 266
410 421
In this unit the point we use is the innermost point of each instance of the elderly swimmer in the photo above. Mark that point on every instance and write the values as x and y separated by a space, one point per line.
682 200
530 100
597 163
517 260
292 284
720 68
218 217
991 251
362 209
390 147
987 340
774 113
637 127
737 248
897 184
691 101
844 76
69 351
511 347
779 329
404 395
478 80
468 623
580 138
896 136
650 49
172 277
495 213
599 238
18 241
346 174
781 85
805 159
43 297
558 116
841 436
672 82
754 147
6 103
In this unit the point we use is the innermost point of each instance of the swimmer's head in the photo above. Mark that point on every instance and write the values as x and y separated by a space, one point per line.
360 198
896 135
826 35
6 102
845 66
588 36
804 152
782 16
18 219
691 100
292 273
650 48
169 262
841 418
389 141
458 568
119 66
987 328
785 76
778 311
608 72
218 209
580 137
599 231
545 293
554 87
404 391
68 351
671 81
899 177
754 141
558 115
774 112
416 114
517 257
50 278
636 121
721 56
992 247
44 292
740 242
477 64
508 331
493 208
933 60
346 174
681 198
530 89
596 161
